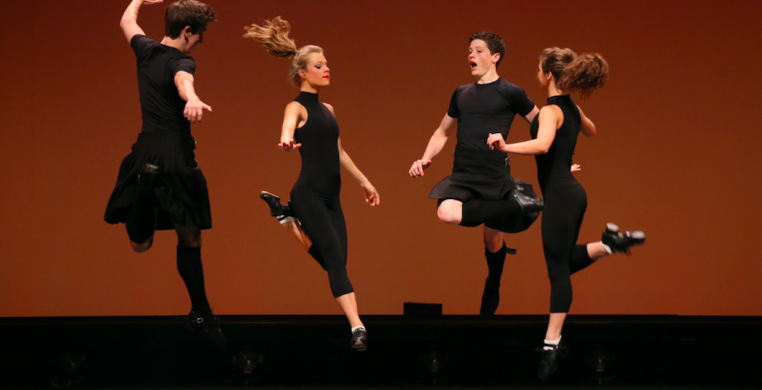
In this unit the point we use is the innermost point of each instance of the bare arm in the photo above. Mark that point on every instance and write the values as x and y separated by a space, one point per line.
549 122
291 119
530 117
588 127
436 143
371 195
194 108
129 21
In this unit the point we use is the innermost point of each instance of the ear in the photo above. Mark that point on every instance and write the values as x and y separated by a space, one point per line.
187 31
495 58
302 74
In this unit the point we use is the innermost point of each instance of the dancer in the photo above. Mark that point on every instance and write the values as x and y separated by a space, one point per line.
310 126
554 134
159 185
481 189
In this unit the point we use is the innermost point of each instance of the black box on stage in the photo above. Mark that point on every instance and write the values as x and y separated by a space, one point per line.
422 309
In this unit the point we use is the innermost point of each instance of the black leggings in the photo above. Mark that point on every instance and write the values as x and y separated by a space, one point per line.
323 222
561 220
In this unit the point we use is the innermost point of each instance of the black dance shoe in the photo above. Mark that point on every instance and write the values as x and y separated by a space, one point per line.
527 204
621 242
147 177
550 359
208 327
359 340
277 209
490 300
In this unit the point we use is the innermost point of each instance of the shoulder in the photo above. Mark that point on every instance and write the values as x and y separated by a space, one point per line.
330 108
551 112
509 87
295 107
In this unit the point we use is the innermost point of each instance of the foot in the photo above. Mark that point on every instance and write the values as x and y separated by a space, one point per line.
490 300
147 177
277 209
359 340
551 356
208 326
527 204
621 242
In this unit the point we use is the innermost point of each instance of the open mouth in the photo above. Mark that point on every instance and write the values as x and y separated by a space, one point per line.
473 65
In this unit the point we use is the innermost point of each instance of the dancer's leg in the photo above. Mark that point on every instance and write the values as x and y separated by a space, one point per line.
190 268
450 211
494 251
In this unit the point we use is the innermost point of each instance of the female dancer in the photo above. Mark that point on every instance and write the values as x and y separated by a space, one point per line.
310 126
554 132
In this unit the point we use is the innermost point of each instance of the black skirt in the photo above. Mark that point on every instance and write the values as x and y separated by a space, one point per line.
484 174
181 190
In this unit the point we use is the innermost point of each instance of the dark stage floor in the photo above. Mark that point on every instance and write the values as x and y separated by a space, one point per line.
312 352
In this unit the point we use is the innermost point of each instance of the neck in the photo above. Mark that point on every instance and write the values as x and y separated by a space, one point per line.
553 90
178 43
489 77
306 87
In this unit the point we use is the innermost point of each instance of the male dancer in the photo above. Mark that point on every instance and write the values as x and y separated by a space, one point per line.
481 189
160 185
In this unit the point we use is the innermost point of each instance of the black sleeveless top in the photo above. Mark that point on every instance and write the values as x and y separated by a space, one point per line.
554 167
320 150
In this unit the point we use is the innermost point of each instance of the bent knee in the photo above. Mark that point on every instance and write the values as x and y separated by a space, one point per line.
140 248
448 215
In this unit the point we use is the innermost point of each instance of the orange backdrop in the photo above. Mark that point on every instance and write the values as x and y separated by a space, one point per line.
677 155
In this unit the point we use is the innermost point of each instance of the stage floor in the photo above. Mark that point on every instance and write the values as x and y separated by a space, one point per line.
312 352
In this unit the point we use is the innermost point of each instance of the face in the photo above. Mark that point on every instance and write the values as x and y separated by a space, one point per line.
542 77
317 72
480 59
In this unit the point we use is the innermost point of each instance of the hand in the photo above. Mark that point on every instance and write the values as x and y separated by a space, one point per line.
288 145
575 168
418 166
194 110
371 195
496 140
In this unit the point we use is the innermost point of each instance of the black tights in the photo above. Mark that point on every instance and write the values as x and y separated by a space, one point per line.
561 222
323 222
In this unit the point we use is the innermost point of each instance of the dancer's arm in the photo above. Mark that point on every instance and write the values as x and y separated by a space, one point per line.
194 108
436 143
291 119
588 127
530 117
549 123
129 21
371 195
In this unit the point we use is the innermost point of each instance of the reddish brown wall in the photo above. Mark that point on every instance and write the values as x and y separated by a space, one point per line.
678 156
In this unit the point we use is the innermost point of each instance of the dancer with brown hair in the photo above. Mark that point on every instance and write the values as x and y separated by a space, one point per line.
160 186
554 132
481 189
315 216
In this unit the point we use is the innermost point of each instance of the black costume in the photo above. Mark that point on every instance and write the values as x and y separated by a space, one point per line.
179 191
565 205
481 176
315 195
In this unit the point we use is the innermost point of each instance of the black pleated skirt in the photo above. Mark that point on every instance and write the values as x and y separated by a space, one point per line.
484 174
181 190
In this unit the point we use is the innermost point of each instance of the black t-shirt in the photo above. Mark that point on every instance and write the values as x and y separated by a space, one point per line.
160 102
483 109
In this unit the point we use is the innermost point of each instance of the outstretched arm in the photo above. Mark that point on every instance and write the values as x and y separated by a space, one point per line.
436 143
129 21
194 108
588 127
549 123
290 121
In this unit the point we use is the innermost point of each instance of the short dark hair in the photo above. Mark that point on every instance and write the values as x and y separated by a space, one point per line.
185 13
494 43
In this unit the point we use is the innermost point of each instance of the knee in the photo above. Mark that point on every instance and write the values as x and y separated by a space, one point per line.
493 244
140 248
448 215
